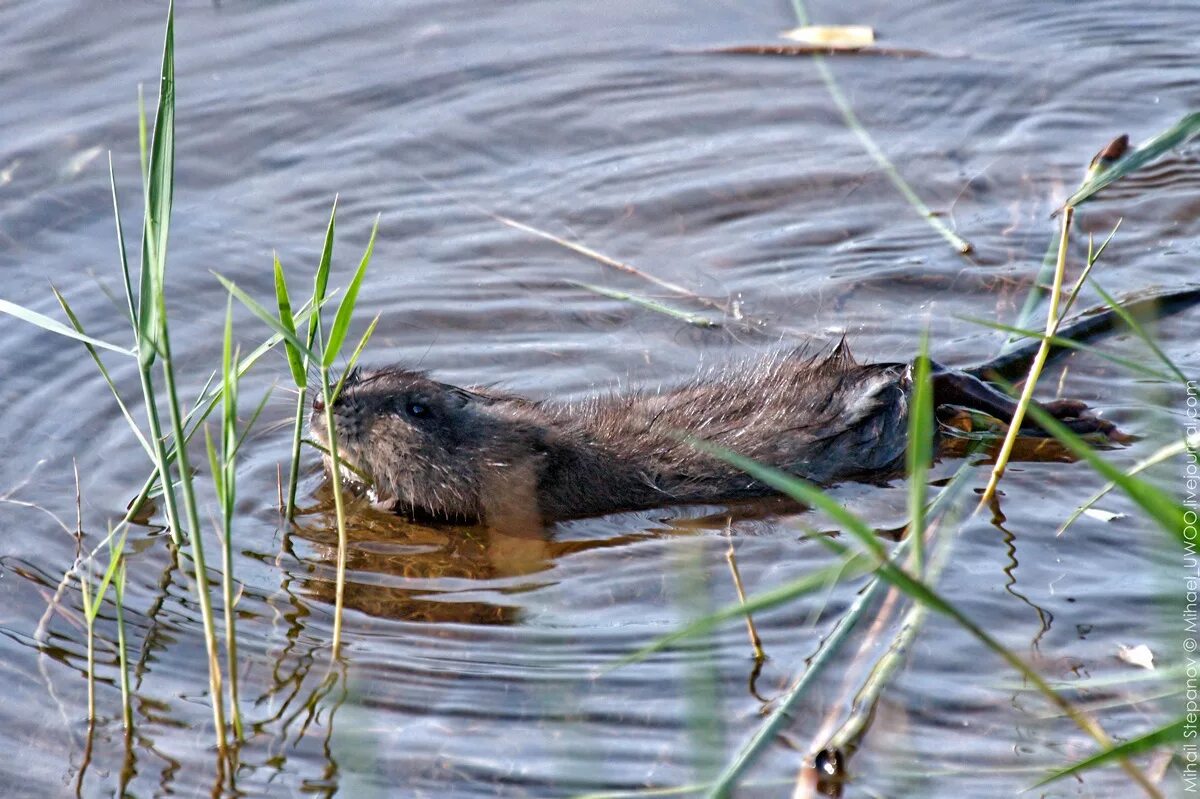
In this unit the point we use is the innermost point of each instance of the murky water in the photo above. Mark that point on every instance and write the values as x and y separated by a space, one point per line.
474 663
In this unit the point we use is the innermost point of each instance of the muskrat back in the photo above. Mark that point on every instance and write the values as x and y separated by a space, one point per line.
454 453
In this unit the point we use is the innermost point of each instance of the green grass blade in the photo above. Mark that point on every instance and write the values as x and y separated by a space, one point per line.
1158 504
229 382
162 158
362 343
74 320
159 193
1155 458
214 464
341 320
265 315
920 451
1179 133
802 491
1172 733
649 304
892 573
114 558
295 360
1059 341
250 423
130 301
321 279
1138 330
54 326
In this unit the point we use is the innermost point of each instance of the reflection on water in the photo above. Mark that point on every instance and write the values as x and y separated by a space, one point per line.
475 662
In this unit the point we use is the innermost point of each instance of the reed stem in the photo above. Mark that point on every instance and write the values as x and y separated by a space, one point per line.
1039 362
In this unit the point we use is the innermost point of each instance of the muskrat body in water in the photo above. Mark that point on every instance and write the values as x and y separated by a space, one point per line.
454 453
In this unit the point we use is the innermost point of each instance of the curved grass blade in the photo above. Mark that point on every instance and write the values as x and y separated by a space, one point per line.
649 304
321 279
265 315
920 451
362 343
1158 504
54 326
1163 454
295 360
1067 343
1139 331
159 194
1180 133
137 431
341 320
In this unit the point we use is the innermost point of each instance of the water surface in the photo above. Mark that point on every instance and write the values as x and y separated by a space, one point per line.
473 663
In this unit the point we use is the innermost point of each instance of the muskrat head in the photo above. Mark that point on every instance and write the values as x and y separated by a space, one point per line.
416 441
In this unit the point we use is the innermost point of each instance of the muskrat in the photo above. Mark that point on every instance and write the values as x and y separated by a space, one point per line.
481 455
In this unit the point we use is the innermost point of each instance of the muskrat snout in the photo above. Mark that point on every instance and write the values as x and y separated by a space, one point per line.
318 405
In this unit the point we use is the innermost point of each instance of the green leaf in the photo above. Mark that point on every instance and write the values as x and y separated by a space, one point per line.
1157 504
1138 330
114 557
74 320
265 315
295 361
218 475
920 450
250 422
321 280
362 342
649 304
341 320
46 323
130 302
1168 734
159 193
1179 133
229 382
1059 341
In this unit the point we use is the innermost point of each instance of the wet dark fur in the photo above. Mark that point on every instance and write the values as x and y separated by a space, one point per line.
480 455
465 454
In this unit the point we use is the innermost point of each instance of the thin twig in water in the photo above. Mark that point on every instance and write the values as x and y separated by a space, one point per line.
864 137
751 629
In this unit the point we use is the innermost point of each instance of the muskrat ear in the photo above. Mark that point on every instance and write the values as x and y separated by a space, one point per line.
841 355
456 397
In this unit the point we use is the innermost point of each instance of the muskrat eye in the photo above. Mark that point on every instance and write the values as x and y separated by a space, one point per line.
416 410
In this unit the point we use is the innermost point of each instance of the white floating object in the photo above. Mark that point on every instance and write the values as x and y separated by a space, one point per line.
1103 515
848 36
1139 655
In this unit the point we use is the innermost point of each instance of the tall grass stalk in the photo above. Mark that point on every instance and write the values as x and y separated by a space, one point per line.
91 608
122 649
330 347
150 316
224 474
298 362
1039 362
